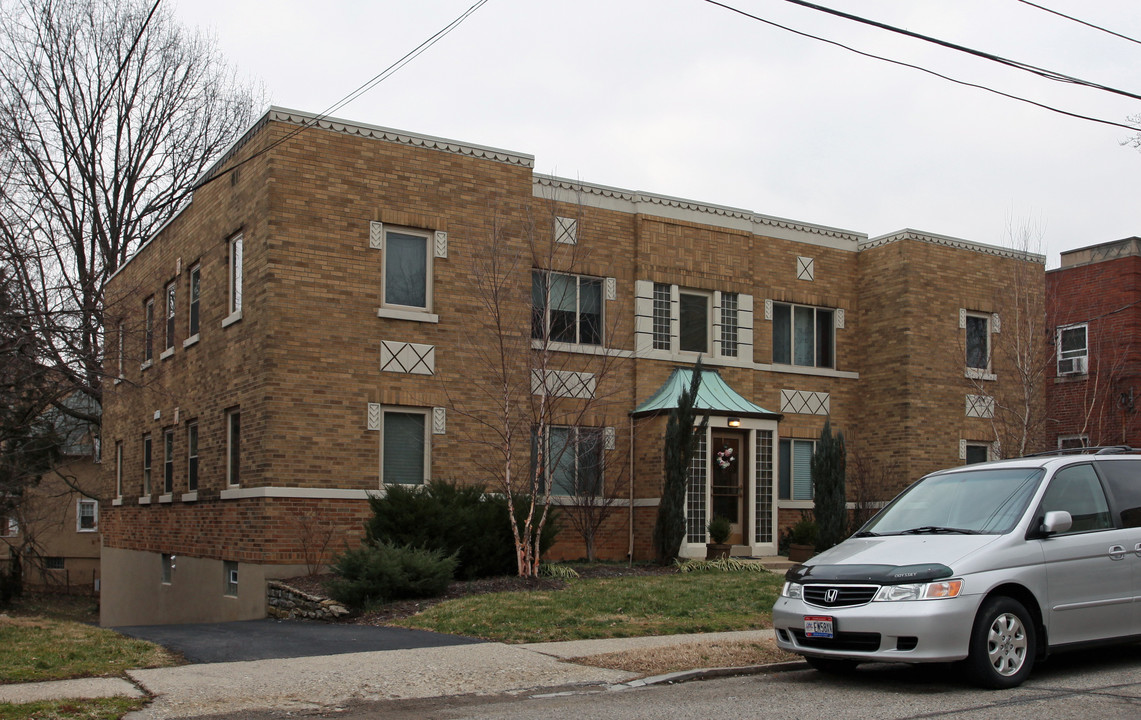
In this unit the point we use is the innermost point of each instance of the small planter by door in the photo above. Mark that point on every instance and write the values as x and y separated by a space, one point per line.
717 551
800 553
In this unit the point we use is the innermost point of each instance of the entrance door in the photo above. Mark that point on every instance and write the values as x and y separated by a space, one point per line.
728 490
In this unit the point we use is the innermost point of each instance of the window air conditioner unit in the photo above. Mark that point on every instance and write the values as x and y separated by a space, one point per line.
1072 366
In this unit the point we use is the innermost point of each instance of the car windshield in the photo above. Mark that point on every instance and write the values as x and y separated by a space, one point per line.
987 501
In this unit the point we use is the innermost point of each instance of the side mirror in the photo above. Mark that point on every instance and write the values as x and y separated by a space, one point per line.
1056 521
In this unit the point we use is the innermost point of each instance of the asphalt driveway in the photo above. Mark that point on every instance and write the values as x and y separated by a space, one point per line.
269 639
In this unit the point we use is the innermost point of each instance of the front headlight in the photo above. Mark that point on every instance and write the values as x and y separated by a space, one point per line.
792 590
920 591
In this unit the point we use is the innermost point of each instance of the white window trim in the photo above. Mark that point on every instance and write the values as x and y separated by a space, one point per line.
79 503
1075 436
237 410
235 280
195 268
167 460
406 410
1084 357
193 424
119 469
148 470
11 526
792 502
148 333
121 343
168 294
429 246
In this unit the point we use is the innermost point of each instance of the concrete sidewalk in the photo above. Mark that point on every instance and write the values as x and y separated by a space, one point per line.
311 683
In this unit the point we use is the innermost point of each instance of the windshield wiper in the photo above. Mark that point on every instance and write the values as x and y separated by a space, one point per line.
866 533
935 530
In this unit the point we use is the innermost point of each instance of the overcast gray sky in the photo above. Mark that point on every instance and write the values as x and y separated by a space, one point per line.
684 98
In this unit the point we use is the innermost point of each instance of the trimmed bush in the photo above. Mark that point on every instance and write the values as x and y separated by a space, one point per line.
455 519
379 572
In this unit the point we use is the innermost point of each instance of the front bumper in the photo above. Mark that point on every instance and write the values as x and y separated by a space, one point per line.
909 631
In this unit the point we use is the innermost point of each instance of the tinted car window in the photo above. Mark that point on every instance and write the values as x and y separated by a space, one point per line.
1076 490
1124 478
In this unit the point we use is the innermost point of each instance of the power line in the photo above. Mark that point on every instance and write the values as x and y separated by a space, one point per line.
901 63
126 59
361 90
1080 22
1043 72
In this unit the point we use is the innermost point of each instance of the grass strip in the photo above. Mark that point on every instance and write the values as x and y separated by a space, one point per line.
35 648
611 607
111 708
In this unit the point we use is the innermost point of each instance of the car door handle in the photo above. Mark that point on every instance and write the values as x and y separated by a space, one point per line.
1117 552
1137 549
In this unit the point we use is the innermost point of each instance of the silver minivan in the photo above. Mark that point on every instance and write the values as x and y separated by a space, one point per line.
994 564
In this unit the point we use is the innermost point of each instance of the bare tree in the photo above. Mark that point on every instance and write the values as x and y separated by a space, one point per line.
539 414
1019 356
109 111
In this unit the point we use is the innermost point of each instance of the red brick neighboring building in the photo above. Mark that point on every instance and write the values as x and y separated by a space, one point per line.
308 330
1093 304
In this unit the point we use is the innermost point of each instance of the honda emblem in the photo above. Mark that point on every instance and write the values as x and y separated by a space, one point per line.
831 595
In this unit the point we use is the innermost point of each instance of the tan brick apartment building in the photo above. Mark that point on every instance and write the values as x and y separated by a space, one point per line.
308 329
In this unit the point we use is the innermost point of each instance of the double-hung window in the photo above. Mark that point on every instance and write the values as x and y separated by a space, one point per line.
566 308
405 449
119 468
168 461
407 269
804 335
236 279
1073 350
9 527
233 447
86 515
796 469
149 332
170 293
195 289
572 461
146 465
192 457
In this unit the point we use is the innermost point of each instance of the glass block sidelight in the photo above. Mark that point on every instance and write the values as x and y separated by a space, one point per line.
661 317
729 324
695 493
763 522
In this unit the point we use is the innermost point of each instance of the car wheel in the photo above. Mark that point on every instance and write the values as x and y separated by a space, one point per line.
832 666
1003 644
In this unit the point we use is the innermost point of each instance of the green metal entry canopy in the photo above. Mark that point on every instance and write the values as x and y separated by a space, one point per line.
713 395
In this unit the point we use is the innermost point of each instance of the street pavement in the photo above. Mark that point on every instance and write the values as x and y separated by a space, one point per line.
329 681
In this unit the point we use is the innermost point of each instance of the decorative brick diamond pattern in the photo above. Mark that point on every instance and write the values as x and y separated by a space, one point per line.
768 309
995 323
804 402
439 421
563 383
441 244
608 438
566 230
374 416
980 406
805 269
611 289
376 235
840 319
408 358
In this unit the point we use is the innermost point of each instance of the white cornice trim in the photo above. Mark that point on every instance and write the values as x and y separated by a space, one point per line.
296 492
634 201
909 234
376 132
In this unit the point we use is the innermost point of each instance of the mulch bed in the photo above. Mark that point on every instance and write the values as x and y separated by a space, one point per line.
315 585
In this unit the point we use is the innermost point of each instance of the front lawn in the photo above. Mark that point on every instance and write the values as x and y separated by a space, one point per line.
612 607
39 648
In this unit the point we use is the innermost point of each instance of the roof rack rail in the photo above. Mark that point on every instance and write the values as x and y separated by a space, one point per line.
1091 450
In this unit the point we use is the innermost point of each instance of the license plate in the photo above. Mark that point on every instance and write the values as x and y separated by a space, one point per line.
817 626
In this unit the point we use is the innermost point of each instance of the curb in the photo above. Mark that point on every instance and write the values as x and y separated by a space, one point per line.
710 673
